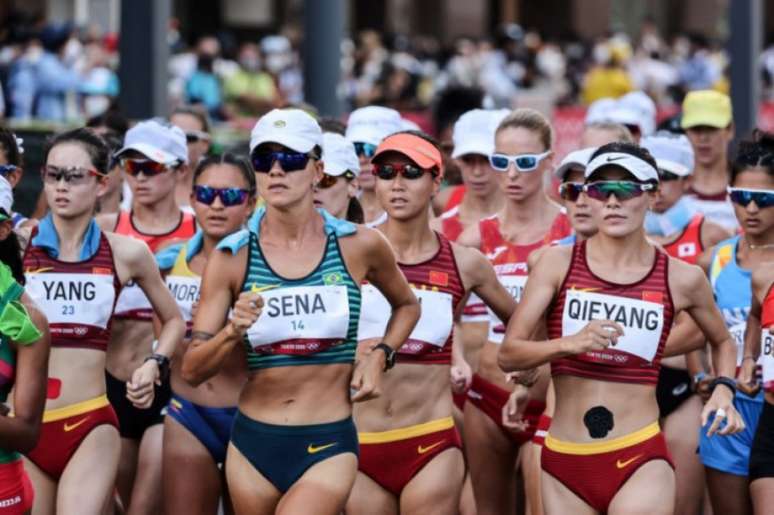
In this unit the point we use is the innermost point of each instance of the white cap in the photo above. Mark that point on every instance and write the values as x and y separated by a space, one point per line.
673 152
6 196
371 124
641 103
338 155
291 128
639 168
474 132
408 125
599 109
159 141
625 116
575 159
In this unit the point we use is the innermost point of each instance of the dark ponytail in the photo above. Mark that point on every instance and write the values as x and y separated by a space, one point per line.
355 211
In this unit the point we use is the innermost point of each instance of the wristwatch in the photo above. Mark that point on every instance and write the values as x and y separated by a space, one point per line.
163 363
389 354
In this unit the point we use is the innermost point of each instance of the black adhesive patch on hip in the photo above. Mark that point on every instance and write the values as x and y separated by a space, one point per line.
599 421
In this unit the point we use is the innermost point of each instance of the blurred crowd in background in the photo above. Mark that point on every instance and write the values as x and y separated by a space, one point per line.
61 72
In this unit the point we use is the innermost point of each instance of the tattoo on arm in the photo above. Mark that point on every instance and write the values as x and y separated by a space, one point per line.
201 335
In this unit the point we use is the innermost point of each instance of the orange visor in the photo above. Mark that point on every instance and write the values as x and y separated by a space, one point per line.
419 150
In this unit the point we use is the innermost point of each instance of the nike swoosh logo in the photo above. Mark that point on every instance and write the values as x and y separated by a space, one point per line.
311 449
423 450
623 464
610 159
259 289
70 427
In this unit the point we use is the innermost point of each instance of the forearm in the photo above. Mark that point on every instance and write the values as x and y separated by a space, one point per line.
18 434
171 333
205 356
517 355
401 323
694 363
724 358
684 338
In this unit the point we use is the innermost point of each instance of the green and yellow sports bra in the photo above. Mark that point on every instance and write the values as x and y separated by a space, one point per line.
307 321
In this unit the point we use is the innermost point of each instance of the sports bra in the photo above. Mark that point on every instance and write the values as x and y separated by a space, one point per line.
184 285
437 285
77 298
311 320
688 246
643 308
132 302
450 223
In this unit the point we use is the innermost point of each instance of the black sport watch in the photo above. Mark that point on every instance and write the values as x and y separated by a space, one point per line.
389 354
163 362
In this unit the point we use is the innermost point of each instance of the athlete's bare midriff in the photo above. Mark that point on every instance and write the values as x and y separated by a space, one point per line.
81 372
473 336
633 407
220 391
130 343
412 394
299 395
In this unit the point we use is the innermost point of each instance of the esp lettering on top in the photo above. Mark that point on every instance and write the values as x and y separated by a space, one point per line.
293 305
626 316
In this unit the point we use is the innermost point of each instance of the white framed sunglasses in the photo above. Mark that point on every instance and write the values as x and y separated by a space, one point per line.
522 162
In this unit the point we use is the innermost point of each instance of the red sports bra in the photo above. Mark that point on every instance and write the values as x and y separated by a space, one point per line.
688 246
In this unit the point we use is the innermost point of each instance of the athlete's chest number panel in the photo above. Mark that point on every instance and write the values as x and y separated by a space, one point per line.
301 313
642 321
767 359
132 298
185 290
83 299
435 321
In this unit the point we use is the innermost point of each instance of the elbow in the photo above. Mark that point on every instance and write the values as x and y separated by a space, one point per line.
509 359
191 374
29 439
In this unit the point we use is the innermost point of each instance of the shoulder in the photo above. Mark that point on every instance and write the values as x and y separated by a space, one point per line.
468 259
128 250
762 279
685 276
367 240
107 221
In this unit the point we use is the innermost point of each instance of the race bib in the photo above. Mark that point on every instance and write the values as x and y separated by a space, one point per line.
75 299
515 285
767 359
642 321
433 328
185 290
132 299
737 334
306 313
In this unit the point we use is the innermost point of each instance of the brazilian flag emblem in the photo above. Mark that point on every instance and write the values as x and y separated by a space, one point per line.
332 278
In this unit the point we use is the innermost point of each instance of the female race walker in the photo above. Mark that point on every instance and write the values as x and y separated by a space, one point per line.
729 265
410 451
336 191
759 341
24 349
293 281
608 303
198 422
74 272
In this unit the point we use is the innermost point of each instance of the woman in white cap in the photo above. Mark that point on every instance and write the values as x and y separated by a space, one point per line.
608 305
24 351
410 450
153 156
528 221
74 272
293 284
729 264
366 128
337 189
198 422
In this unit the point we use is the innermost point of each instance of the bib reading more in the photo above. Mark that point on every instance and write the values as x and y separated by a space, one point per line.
303 319
642 322
74 299
767 359
515 285
185 290
433 328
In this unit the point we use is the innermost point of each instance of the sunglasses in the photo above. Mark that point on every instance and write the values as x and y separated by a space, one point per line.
289 161
664 176
195 136
623 190
147 167
228 196
522 162
365 149
6 169
408 171
73 175
570 190
329 180
743 197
